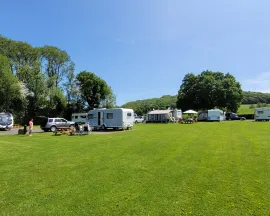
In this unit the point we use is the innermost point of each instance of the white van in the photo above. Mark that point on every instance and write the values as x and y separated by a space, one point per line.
262 114
116 118
79 117
6 121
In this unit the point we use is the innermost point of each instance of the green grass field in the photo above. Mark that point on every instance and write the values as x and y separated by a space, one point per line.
245 109
171 169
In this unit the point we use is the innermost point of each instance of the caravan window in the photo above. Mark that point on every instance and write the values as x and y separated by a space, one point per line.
260 112
109 115
90 116
76 117
129 114
83 116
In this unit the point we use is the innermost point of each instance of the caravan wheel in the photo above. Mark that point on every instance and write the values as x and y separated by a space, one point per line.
103 127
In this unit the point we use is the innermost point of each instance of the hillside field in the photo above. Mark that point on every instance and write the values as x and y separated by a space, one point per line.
245 109
163 169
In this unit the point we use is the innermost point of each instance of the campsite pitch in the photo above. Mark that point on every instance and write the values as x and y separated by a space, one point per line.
163 169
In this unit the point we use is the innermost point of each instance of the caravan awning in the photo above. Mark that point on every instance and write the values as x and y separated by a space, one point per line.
159 112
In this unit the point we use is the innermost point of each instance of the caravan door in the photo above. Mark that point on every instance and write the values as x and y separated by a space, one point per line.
100 118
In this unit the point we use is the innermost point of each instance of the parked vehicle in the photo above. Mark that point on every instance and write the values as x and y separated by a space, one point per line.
116 118
6 121
212 115
233 116
216 115
51 124
139 119
262 114
79 117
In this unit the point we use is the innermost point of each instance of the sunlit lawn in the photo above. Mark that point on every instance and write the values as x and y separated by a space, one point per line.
169 169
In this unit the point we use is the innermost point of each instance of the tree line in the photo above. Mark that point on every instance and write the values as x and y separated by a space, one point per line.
41 81
38 81
206 90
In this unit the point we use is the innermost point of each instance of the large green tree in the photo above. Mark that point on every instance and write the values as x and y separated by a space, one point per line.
110 100
93 89
11 93
56 62
35 82
208 90
41 72
19 53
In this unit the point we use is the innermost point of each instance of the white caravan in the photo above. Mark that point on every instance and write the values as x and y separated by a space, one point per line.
79 117
216 115
116 118
262 114
6 121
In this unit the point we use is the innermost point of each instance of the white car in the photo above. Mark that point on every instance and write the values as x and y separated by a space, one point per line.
138 119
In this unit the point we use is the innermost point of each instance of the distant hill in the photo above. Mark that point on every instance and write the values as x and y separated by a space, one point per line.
143 106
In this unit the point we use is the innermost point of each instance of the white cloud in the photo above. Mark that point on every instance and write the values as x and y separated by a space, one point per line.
260 83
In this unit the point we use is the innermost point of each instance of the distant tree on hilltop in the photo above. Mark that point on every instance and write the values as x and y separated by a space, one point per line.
208 90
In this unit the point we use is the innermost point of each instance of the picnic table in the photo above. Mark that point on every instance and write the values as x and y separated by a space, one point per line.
72 130
187 121
62 130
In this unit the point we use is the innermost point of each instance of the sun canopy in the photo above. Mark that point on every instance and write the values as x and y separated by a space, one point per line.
190 112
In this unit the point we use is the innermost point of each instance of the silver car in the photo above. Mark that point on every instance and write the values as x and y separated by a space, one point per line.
51 124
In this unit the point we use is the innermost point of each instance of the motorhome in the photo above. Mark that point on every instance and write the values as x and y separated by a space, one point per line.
79 117
212 115
262 114
116 118
6 121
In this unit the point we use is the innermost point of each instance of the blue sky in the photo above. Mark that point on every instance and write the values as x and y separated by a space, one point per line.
143 48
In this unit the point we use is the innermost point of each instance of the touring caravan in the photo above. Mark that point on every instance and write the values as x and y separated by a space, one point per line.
262 114
212 115
216 115
163 116
79 117
6 121
116 118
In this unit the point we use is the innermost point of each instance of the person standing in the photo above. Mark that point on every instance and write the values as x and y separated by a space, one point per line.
31 125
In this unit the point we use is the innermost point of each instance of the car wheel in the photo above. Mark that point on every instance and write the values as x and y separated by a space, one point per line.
53 129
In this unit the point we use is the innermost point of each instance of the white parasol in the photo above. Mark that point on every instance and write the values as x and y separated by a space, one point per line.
190 112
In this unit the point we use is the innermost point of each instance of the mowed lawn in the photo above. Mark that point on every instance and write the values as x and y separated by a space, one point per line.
169 169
